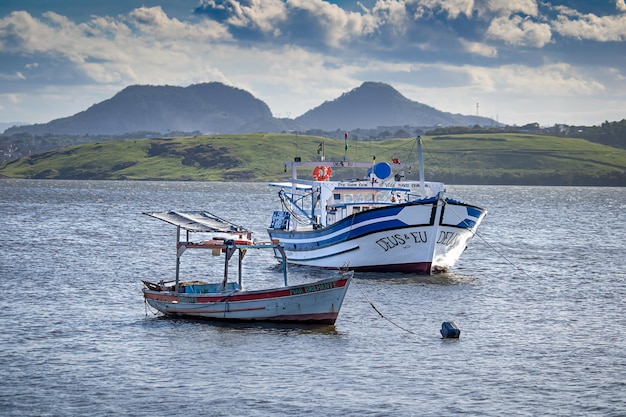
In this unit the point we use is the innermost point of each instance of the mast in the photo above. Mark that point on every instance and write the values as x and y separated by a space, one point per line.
421 162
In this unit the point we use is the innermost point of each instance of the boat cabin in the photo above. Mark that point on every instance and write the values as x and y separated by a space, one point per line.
346 201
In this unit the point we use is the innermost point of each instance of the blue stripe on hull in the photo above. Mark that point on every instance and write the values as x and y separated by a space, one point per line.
350 234
350 221
352 225
471 215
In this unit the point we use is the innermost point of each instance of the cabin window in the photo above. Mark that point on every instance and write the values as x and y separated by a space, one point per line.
337 197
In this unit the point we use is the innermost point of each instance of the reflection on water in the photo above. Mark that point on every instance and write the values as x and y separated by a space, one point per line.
299 328
443 278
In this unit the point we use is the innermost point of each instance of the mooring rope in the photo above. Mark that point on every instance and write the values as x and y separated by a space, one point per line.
504 257
511 263
381 314
149 308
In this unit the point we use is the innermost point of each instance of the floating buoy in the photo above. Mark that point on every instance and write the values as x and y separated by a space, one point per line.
322 173
449 330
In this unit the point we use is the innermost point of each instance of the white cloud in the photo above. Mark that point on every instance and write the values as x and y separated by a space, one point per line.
264 14
17 76
479 48
548 80
518 31
338 25
11 99
508 7
518 94
621 5
110 51
573 24
313 19
392 15
454 8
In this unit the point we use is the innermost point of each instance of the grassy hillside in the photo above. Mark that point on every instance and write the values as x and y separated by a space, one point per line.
526 159
458 159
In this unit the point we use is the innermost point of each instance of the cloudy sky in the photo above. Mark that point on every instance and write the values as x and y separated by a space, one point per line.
517 61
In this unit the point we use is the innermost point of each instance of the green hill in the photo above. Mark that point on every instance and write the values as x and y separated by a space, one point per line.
455 159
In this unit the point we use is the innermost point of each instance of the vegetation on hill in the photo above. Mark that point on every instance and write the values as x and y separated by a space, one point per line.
527 159
456 159
608 133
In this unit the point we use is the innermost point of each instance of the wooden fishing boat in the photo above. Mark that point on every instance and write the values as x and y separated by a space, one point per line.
378 222
317 302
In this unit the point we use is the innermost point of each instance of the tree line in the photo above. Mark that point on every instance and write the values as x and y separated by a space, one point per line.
608 133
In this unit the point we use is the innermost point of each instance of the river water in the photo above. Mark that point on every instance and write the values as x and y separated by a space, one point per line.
540 297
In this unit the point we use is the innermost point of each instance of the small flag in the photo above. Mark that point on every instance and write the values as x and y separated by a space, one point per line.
319 147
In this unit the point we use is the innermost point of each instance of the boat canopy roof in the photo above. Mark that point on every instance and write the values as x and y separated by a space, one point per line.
299 184
370 189
198 221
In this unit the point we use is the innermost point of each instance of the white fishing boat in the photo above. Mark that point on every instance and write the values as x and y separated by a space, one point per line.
316 302
379 222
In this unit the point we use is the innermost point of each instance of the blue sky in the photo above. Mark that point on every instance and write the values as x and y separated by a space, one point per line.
519 61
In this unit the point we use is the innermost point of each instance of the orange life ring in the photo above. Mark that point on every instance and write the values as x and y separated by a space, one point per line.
321 173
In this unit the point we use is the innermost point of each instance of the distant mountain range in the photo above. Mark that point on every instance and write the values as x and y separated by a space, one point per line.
212 108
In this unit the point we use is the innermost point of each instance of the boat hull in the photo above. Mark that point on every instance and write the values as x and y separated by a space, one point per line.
424 237
314 303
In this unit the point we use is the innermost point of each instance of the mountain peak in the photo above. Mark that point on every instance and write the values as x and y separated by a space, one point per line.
371 105
373 90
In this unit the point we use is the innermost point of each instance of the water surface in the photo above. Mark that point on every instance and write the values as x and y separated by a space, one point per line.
539 296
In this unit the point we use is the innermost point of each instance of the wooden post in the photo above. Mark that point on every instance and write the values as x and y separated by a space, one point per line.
177 257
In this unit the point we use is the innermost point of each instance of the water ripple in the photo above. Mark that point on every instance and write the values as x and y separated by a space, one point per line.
539 296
